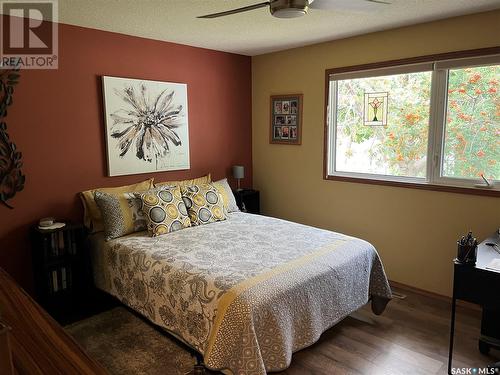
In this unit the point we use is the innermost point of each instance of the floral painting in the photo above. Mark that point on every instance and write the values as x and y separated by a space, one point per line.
146 126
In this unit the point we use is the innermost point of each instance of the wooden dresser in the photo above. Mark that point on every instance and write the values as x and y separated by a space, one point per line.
39 345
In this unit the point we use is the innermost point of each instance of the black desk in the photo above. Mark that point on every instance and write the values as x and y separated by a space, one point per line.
481 286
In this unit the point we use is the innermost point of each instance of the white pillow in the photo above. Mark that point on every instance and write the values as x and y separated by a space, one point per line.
227 195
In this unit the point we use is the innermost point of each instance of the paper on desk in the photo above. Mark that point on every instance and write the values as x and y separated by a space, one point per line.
494 265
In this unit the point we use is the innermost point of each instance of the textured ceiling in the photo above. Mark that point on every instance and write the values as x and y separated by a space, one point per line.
254 32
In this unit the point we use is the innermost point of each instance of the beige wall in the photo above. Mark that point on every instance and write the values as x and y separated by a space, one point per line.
413 230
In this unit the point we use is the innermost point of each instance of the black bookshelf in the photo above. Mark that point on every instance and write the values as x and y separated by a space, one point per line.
62 271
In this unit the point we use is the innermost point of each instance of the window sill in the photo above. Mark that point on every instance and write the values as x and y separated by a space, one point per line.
416 185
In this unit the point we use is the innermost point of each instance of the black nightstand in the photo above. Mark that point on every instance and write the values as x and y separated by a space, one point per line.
248 200
62 272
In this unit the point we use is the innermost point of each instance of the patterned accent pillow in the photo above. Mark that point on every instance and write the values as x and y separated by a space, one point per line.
92 214
227 195
165 210
121 214
204 204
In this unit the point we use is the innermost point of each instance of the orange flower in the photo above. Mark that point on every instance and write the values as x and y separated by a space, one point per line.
492 90
493 82
391 135
478 92
400 157
483 113
412 118
475 78
480 153
483 128
462 91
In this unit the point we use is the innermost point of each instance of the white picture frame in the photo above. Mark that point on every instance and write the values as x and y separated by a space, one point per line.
146 126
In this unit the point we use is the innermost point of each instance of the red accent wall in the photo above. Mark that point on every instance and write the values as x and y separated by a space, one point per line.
56 121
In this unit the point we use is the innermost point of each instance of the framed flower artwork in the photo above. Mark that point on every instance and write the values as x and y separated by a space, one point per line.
286 119
146 126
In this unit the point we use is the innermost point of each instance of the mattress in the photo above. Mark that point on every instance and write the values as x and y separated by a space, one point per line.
246 292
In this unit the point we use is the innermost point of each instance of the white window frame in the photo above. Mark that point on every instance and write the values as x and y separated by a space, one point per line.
437 121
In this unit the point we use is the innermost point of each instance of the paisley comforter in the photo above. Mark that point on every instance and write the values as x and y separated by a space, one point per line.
246 292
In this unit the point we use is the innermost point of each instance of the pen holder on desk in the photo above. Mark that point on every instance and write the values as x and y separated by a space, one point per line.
466 254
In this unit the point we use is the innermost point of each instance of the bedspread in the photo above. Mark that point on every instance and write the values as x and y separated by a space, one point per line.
246 292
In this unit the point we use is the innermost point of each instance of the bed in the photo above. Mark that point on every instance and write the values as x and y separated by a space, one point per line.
246 292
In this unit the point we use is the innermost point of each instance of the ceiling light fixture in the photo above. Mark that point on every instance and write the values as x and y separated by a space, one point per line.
289 8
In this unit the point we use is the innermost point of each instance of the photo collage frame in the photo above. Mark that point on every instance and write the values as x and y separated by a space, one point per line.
286 119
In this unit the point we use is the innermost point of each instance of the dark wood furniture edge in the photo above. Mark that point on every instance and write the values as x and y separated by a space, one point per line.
383 64
39 344
299 135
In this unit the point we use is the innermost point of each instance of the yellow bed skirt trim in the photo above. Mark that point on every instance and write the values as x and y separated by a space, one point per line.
233 293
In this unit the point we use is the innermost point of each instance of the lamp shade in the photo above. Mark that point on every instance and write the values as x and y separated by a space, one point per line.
238 171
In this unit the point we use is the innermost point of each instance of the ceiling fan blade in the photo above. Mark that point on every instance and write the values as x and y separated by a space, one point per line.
234 11
379 2
347 5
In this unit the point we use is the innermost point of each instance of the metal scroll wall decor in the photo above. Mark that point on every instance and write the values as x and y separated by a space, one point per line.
11 177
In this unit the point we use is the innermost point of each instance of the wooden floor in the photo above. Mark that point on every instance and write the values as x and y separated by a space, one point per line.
411 337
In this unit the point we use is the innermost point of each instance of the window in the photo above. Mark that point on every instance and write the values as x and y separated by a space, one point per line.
435 122
472 127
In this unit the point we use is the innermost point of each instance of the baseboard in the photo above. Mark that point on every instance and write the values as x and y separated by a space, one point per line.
427 293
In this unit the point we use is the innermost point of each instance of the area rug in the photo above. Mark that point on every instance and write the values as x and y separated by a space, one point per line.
125 344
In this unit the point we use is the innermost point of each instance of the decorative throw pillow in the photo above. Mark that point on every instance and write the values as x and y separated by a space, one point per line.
121 214
193 181
204 204
227 195
92 214
165 210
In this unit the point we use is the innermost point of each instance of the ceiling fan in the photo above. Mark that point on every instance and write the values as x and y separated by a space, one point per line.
298 8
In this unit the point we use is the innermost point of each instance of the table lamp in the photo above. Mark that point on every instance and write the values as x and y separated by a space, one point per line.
238 173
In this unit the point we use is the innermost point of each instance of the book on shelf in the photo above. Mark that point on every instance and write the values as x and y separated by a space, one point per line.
53 244
59 279
45 246
60 243
63 278
73 243
55 286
